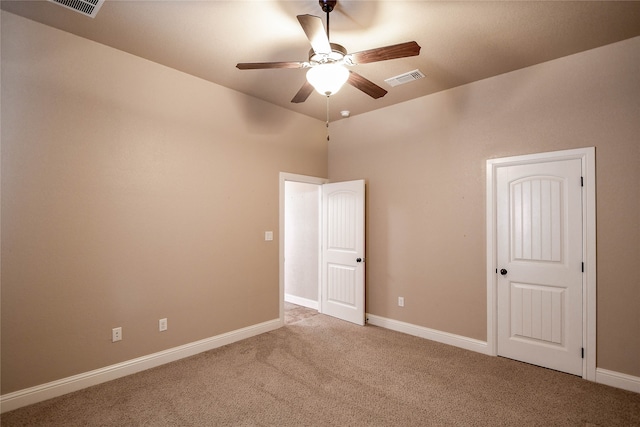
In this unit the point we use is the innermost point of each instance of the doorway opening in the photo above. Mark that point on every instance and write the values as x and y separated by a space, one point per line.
333 225
300 224
301 243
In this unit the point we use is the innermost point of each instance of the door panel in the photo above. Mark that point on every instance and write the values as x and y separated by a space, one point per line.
343 245
541 309
539 236
537 221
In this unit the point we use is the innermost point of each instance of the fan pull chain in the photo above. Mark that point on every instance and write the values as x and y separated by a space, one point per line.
327 118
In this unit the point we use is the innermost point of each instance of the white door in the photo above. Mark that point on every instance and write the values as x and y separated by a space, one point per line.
539 264
342 290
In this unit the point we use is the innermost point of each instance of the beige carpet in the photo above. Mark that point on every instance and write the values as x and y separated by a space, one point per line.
294 313
320 371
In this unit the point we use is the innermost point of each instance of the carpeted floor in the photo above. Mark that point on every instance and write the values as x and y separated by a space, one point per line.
320 371
294 313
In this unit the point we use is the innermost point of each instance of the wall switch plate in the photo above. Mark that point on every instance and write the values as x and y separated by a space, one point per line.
400 301
116 334
162 324
268 235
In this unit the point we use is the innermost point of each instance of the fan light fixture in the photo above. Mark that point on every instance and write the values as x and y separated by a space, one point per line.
327 79
327 59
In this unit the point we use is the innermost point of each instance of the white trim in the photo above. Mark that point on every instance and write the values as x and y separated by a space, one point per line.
305 302
587 156
20 398
589 256
492 309
430 334
618 380
601 376
285 176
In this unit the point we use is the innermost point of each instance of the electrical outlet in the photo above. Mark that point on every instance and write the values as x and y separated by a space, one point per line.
162 324
116 334
400 301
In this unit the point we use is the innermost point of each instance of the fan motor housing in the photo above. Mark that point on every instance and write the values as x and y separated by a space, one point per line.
327 5
338 52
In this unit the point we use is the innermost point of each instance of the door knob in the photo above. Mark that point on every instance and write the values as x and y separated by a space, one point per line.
358 259
503 272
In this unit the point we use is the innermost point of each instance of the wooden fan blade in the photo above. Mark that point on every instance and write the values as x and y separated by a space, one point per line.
314 29
395 51
303 93
263 65
365 85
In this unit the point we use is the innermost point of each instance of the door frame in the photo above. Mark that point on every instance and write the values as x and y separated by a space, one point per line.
587 157
285 176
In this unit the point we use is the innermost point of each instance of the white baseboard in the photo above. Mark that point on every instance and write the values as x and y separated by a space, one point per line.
430 334
618 380
309 303
56 388
603 376
53 389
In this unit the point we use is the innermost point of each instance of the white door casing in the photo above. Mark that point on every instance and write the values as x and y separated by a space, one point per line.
536 261
342 290
539 245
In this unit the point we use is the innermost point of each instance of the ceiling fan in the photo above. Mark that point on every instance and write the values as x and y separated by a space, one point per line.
327 61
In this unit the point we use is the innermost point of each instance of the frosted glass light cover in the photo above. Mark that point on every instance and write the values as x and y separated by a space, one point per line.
327 79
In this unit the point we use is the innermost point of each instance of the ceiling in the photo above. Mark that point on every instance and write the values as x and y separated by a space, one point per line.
461 41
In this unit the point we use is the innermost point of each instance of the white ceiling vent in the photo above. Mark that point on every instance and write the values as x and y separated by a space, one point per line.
405 78
85 7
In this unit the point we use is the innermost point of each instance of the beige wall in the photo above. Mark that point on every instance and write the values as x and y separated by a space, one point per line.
132 192
424 163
